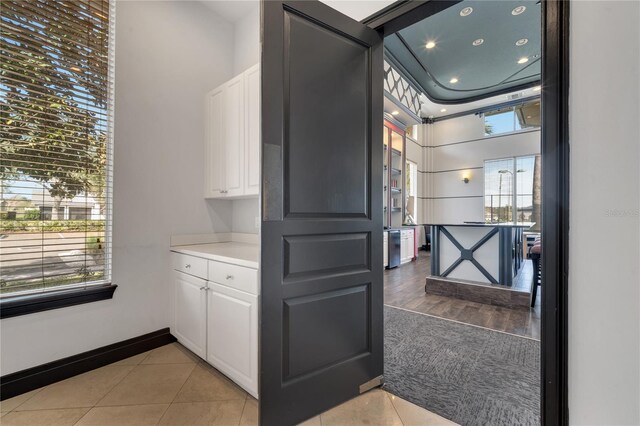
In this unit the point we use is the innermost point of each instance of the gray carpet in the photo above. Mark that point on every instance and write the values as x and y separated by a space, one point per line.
467 374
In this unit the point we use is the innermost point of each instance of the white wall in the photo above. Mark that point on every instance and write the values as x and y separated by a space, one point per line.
457 148
247 40
604 272
168 55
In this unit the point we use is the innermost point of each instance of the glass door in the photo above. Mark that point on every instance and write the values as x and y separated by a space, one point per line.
394 175
385 175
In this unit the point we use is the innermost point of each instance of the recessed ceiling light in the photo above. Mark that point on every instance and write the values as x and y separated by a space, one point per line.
466 11
528 116
478 42
518 10
430 45
523 60
453 80
395 112
522 42
443 110
537 88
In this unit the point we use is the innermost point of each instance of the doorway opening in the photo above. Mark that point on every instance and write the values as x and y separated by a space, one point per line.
462 304
487 256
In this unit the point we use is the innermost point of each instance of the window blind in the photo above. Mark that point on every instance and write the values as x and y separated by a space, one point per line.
56 98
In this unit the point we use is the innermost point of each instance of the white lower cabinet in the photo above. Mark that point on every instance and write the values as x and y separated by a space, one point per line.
190 312
232 335
407 245
218 321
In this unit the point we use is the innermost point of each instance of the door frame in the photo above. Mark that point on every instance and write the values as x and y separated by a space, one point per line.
555 178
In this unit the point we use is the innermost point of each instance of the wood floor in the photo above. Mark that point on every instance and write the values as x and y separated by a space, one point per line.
404 288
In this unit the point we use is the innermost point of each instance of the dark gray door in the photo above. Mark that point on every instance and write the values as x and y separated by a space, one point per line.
321 332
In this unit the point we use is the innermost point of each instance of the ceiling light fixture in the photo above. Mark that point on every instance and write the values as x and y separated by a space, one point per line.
443 110
523 60
453 80
395 112
430 45
466 11
522 42
537 88
478 42
518 10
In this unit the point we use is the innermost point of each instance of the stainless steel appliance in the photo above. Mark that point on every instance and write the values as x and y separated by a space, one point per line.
394 248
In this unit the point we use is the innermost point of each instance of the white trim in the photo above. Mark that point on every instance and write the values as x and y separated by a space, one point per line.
108 231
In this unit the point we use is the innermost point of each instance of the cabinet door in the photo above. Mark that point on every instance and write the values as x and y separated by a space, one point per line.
234 136
214 167
190 312
252 130
232 344
405 250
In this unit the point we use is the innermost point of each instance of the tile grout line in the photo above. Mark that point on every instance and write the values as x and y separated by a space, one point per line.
26 400
393 405
244 405
114 386
164 413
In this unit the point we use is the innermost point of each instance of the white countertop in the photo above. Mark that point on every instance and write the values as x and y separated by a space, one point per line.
241 254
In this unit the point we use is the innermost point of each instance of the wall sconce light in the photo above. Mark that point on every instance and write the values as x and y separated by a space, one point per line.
466 177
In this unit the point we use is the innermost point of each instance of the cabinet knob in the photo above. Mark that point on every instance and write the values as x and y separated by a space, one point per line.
229 277
187 266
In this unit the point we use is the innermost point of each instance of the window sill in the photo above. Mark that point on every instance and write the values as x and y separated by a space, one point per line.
32 303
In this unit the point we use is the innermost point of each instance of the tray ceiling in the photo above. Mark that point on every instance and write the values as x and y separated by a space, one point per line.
472 50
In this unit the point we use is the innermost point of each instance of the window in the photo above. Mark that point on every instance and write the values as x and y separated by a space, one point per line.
55 145
512 190
512 119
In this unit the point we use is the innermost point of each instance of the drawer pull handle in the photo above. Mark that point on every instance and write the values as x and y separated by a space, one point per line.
187 266
204 288
229 277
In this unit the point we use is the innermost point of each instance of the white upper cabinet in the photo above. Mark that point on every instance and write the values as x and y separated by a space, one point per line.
232 142
213 147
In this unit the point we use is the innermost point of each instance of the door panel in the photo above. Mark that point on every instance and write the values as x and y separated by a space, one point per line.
234 136
318 139
321 256
214 165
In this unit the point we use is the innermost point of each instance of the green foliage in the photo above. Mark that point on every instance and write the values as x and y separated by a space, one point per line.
54 84
95 245
31 215
488 128
19 226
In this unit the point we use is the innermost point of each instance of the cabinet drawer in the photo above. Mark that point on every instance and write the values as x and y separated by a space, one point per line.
238 277
191 265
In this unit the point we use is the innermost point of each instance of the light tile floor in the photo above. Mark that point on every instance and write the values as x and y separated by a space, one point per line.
171 386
